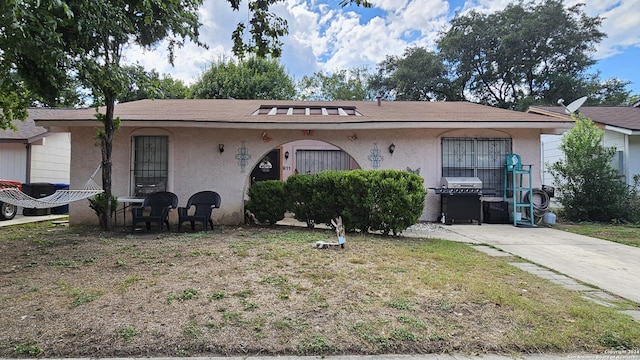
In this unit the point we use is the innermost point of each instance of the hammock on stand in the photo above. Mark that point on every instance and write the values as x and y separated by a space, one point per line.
16 197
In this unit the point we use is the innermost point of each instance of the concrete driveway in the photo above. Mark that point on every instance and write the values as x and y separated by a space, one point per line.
604 264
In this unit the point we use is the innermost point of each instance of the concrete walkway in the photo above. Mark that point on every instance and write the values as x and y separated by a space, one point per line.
21 219
607 265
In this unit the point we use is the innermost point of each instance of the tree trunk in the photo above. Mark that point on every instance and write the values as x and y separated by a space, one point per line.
107 145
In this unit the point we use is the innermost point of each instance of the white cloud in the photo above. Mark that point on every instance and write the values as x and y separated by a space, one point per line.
622 25
324 36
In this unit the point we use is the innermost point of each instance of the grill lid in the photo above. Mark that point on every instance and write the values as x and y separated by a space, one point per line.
449 182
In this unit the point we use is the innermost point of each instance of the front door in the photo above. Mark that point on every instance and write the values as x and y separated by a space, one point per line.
268 168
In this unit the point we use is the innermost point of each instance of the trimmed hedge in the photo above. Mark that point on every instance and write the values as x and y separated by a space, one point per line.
267 201
368 200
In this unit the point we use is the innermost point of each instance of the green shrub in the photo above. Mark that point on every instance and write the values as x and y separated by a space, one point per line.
379 200
299 190
99 204
589 188
398 200
267 201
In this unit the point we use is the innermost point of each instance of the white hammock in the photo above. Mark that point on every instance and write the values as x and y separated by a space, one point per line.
16 197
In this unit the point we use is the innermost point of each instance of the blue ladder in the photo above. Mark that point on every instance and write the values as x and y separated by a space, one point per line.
518 192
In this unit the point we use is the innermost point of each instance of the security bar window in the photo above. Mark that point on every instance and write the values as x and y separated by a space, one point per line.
476 157
150 164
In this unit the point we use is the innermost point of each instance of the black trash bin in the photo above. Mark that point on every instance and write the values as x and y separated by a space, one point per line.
64 209
495 212
37 190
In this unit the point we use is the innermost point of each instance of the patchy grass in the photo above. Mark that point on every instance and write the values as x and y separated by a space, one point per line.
77 292
624 234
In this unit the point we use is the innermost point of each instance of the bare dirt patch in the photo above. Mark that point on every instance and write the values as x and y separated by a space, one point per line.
71 292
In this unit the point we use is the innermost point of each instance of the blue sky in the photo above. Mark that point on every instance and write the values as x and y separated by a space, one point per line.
325 37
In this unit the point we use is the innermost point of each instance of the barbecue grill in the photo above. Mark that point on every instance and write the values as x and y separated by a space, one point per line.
460 200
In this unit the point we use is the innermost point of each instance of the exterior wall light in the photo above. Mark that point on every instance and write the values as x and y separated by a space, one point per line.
392 148
286 155
221 148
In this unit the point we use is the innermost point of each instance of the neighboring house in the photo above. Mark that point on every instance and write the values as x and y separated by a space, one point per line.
33 154
621 125
185 146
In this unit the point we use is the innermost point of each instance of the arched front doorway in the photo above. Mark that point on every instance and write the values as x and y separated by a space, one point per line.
314 156
301 157
268 168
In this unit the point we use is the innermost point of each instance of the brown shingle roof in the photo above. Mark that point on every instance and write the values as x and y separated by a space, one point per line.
239 113
27 130
624 117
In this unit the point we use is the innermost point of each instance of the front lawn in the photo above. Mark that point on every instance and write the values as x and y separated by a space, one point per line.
78 292
624 234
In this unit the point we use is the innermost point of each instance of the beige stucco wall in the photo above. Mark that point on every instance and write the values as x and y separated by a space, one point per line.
196 164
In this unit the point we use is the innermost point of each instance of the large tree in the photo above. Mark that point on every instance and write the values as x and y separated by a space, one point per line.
251 78
143 84
348 84
49 44
417 75
515 54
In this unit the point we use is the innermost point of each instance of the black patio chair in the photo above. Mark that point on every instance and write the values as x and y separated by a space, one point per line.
203 203
155 209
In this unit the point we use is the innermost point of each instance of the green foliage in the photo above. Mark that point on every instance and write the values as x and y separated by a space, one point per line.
300 190
187 294
517 53
82 297
49 46
400 304
418 75
266 28
252 78
315 344
30 348
341 85
99 204
588 187
267 201
144 84
378 200
217 295
126 332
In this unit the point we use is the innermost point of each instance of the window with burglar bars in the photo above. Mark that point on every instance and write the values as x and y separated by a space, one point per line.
150 164
476 157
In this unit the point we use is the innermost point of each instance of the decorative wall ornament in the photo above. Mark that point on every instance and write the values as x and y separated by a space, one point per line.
376 158
265 137
307 132
353 137
416 171
243 156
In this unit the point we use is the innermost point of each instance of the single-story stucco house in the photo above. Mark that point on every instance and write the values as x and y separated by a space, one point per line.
621 126
185 146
